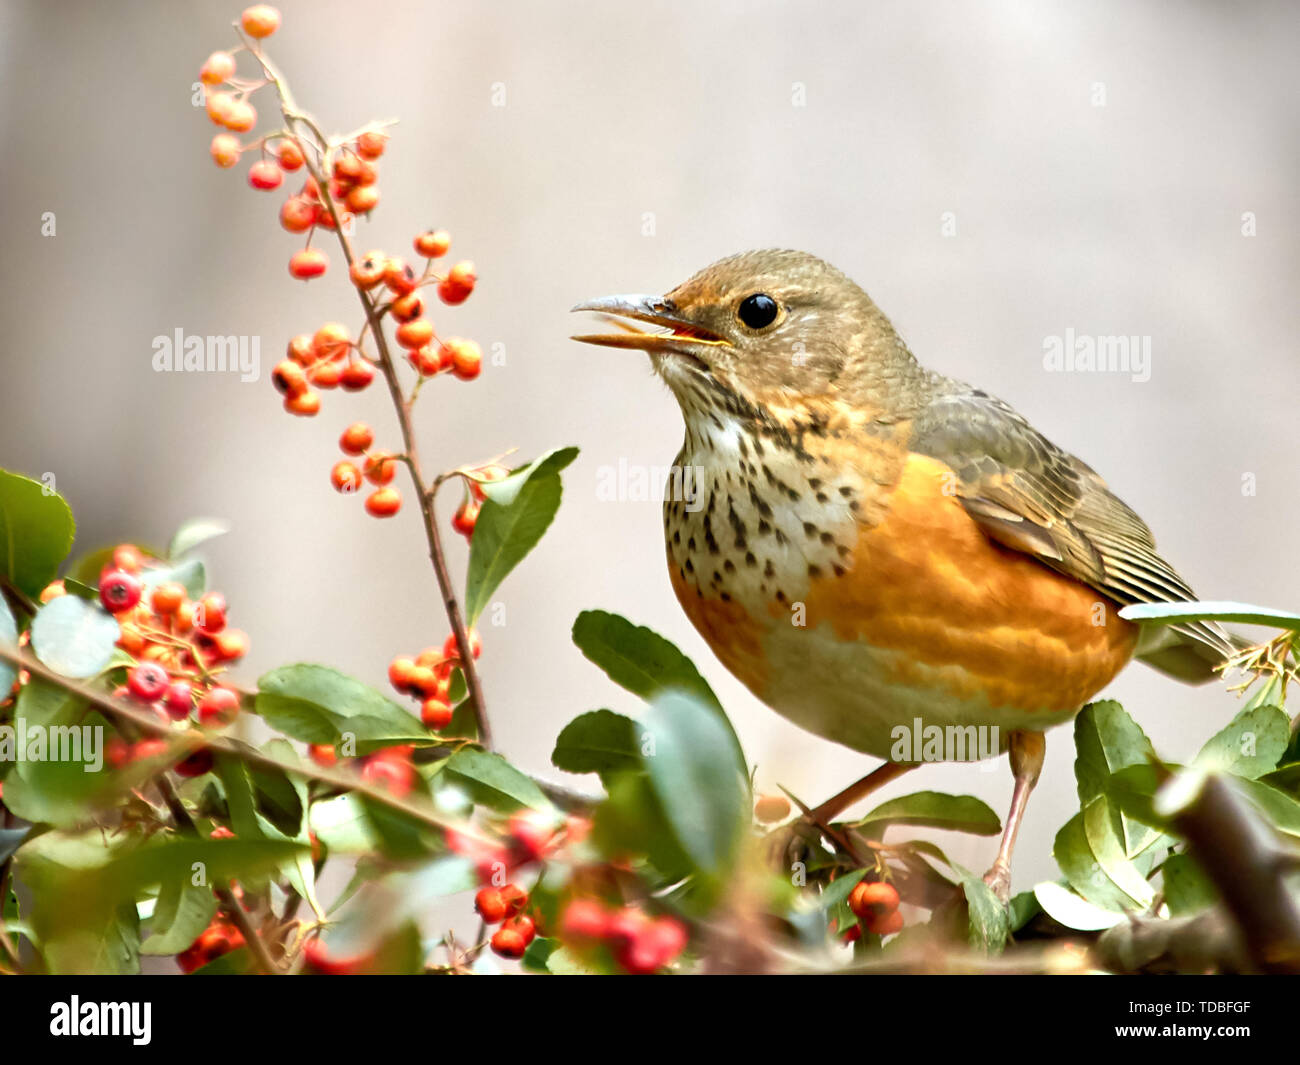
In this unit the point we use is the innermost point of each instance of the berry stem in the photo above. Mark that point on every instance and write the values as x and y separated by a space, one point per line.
424 492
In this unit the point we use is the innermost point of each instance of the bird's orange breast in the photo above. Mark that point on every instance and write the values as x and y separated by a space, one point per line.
939 611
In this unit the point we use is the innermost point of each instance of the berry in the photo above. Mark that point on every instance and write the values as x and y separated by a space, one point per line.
407 308
876 899
289 378
345 477
399 673
305 404
884 925
297 214
381 468
415 334
260 20
178 700
300 350
289 153
516 898
451 649
508 943
264 174
357 375
117 752
524 925
363 199
331 341
128 557
490 905
323 754
144 750
218 68
433 244
219 106
308 263
370 145
390 769
218 708
399 277
210 617
196 764
326 374
458 284
584 920
357 438
466 358
531 833
368 272
425 361
466 516
240 116
225 150
147 681
486 475
230 644
772 808
167 597
119 590
435 712
383 502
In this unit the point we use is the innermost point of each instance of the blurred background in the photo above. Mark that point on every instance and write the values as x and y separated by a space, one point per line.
994 175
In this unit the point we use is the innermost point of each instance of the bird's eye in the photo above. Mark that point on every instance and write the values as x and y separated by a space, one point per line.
757 311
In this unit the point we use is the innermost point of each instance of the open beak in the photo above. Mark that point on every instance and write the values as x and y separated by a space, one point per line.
673 334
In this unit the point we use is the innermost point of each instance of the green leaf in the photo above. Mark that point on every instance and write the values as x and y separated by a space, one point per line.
631 821
987 916
9 638
194 532
690 759
1107 740
1082 868
597 742
1282 810
1067 908
515 515
538 954
1108 848
73 637
1240 613
1251 744
960 813
316 704
36 531
1022 909
493 782
839 889
644 663
183 911
342 825
1187 889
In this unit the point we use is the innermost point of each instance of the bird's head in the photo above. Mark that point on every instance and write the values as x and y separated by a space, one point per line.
760 328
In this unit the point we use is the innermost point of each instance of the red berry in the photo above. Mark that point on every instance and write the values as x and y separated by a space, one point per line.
399 277
532 834
399 673
147 681
390 769
363 199
407 308
383 502
508 943
218 708
380 468
458 284
357 439
119 590
264 174
323 754
466 357
210 614
179 700
884 924
297 214
308 263
436 712
290 155
368 272
345 477
415 333
433 244
524 925
370 145
260 20
425 361
465 517
516 898
196 764
490 905
304 404
584 920
357 375
876 899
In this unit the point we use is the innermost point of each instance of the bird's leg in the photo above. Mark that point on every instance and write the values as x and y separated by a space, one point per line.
1026 750
876 779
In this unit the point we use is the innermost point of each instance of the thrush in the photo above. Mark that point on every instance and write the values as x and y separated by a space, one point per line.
870 544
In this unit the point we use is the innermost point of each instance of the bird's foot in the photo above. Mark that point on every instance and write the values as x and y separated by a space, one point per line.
999 879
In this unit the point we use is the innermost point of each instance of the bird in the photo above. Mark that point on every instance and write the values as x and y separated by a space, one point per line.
868 544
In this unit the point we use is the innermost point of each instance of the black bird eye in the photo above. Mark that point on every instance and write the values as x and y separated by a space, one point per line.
757 311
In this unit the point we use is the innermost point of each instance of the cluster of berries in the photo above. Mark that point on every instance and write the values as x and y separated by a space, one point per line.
639 943
427 676
875 905
377 467
325 359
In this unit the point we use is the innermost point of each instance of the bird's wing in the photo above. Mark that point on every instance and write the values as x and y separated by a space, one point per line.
1029 495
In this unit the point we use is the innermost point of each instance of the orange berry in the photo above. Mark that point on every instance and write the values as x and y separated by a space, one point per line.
458 284
52 591
370 145
168 597
363 199
875 899
128 557
331 341
289 152
345 477
230 644
367 272
225 150
300 350
433 243
217 68
435 712
219 106
885 924
399 276
415 334
466 516
466 358
380 468
308 263
305 404
218 708
357 439
450 649
490 905
326 374
323 754
240 116
297 214
265 175
771 808
400 670
508 943
383 502
407 308
289 378
357 375
260 20
425 361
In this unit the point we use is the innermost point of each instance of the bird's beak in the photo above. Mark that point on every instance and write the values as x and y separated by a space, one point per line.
678 335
